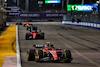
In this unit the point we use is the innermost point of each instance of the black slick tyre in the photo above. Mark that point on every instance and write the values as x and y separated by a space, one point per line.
26 37
20 23
34 28
42 35
30 29
40 53
31 55
16 23
24 25
68 56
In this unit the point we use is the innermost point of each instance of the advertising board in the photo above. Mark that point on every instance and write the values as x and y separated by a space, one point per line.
52 1
42 14
82 7
13 13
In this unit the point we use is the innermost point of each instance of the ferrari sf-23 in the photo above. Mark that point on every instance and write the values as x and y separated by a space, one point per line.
36 34
48 52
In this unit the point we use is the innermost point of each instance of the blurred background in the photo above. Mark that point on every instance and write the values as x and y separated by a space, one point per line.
40 5
36 10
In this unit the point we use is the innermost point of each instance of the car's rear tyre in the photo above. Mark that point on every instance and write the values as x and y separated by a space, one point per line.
31 55
20 23
27 28
16 23
30 29
42 35
24 25
40 53
68 56
26 36
34 28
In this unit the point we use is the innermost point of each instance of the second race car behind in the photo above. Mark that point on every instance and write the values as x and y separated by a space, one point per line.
36 34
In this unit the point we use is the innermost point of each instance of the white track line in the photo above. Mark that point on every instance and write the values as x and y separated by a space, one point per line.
18 50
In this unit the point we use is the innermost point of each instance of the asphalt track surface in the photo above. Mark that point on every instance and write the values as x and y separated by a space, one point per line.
84 44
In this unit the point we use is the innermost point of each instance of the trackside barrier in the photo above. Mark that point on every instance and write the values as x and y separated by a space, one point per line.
82 24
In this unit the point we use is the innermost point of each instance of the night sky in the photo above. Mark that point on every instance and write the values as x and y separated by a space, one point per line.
79 1
14 1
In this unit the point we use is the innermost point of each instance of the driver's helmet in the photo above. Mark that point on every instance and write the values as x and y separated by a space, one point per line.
48 44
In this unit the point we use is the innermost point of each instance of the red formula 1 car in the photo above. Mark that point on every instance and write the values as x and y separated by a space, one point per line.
48 53
36 34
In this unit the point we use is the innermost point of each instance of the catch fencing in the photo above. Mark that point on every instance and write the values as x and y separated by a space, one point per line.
85 19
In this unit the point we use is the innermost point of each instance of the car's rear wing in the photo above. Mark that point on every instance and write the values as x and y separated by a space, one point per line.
38 46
